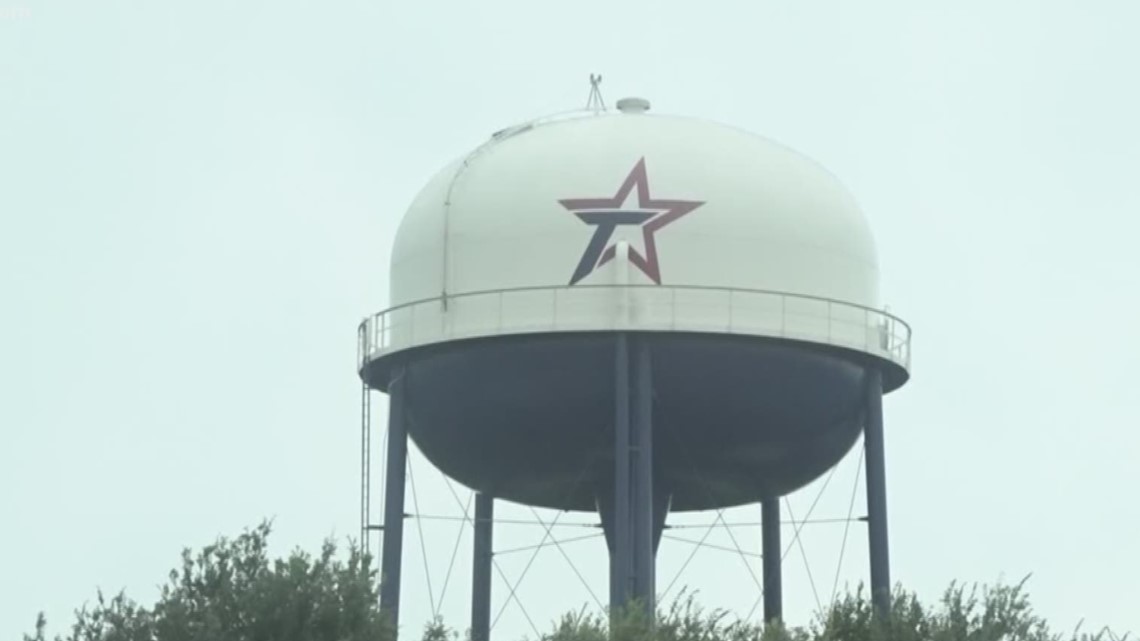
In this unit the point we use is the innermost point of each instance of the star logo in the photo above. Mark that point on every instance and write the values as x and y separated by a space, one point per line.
607 214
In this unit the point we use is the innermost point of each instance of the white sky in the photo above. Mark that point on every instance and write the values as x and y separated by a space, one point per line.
197 203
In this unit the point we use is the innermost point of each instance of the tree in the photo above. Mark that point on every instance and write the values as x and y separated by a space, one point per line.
1000 613
231 591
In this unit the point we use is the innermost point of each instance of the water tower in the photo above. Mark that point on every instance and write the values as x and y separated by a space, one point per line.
633 314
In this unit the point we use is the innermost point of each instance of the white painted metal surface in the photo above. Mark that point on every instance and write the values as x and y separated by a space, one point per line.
635 221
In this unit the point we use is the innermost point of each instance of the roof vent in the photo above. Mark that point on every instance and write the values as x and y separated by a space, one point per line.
633 105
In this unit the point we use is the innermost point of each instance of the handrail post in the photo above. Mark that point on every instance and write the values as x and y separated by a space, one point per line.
866 328
673 308
360 346
783 316
829 314
412 323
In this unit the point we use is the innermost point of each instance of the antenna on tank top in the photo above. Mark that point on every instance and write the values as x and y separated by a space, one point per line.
595 101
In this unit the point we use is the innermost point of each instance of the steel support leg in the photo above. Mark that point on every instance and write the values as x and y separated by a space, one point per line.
633 559
621 561
481 573
772 556
641 478
395 471
877 495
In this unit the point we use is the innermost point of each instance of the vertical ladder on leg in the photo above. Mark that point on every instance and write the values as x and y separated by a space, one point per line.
366 468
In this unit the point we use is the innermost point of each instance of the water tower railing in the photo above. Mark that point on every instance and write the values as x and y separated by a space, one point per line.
642 307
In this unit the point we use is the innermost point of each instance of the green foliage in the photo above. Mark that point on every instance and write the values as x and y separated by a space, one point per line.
579 626
683 621
230 591
1002 613
436 630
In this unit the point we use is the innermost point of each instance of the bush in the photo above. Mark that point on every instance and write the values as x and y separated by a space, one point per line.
1001 613
230 591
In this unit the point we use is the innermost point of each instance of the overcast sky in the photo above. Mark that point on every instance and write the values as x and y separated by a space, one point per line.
197 203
